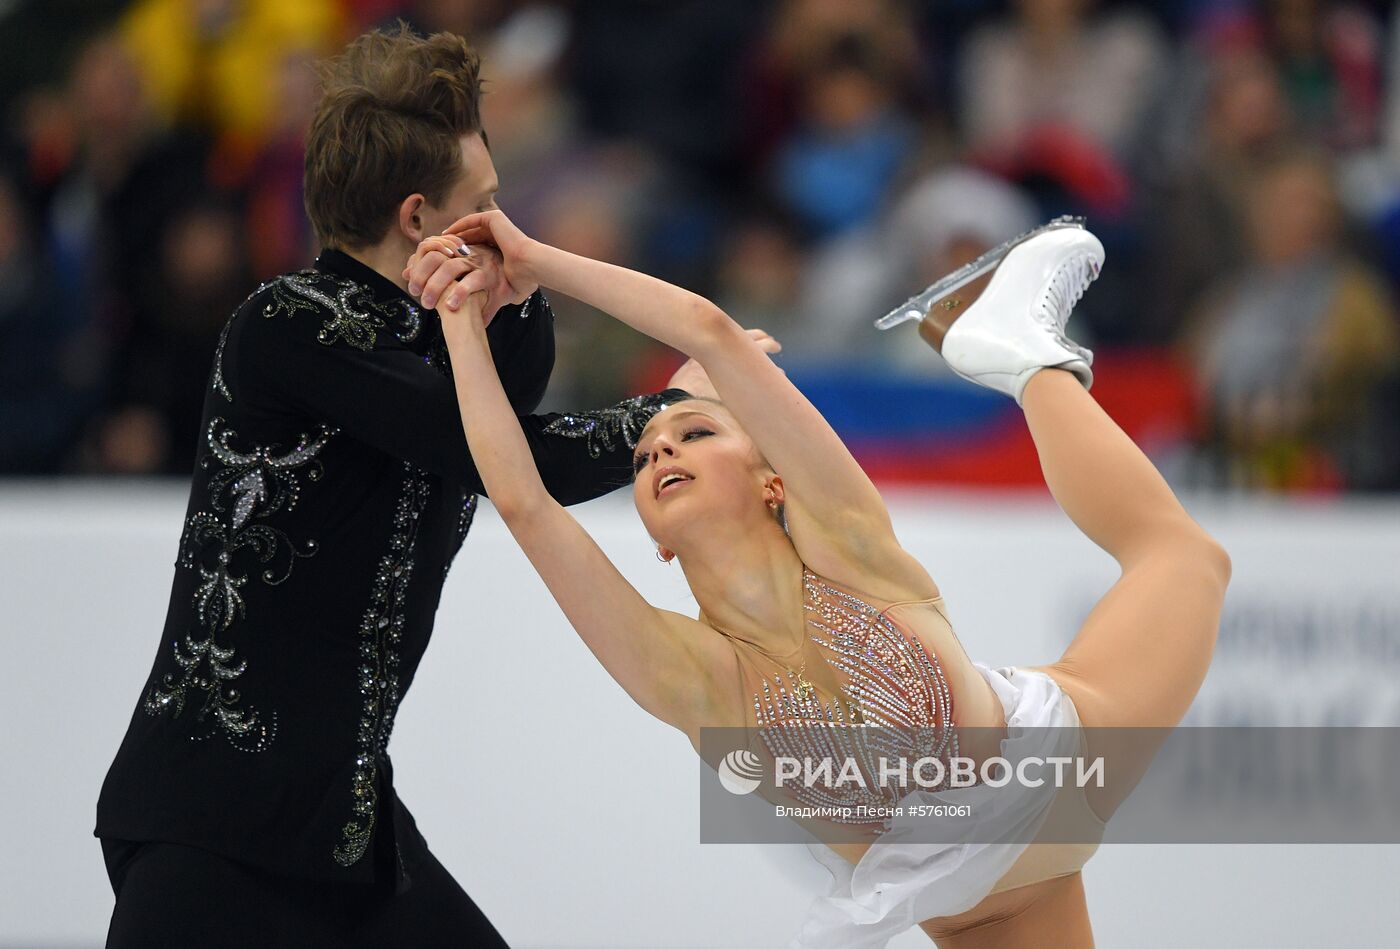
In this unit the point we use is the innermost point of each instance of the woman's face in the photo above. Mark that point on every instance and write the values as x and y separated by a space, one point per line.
694 462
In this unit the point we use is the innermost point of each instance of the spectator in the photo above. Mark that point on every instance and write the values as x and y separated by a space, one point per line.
794 159
800 35
851 142
1196 228
107 212
163 370
948 218
44 393
537 141
664 73
1054 64
760 276
1290 353
599 209
279 236
213 64
1329 55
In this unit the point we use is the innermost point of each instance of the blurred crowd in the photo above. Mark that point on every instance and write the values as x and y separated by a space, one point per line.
806 163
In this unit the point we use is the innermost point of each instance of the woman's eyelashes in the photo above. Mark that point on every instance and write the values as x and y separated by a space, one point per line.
640 460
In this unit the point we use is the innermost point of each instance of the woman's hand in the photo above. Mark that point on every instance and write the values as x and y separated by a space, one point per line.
443 272
494 228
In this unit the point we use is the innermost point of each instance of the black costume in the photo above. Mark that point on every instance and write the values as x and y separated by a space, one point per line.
331 491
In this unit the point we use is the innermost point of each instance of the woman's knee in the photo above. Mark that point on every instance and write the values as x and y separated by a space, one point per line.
1183 547
1218 558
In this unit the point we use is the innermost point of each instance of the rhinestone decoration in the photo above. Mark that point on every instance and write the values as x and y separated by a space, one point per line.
438 357
217 379
355 316
464 524
248 486
896 704
623 422
380 633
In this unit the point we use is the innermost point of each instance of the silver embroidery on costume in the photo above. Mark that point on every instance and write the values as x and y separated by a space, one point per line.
897 703
410 317
249 485
217 381
355 316
623 421
380 633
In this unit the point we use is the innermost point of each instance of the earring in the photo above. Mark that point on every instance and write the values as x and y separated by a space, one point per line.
659 557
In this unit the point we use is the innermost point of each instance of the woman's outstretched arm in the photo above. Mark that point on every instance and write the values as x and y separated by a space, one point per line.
837 518
671 665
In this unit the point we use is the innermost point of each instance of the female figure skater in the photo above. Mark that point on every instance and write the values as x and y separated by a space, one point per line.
810 608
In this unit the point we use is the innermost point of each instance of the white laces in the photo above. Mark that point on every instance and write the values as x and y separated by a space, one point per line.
1066 287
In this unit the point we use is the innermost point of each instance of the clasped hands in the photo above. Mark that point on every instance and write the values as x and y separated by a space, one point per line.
479 254
484 255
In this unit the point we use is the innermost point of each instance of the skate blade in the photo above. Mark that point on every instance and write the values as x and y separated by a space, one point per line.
918 306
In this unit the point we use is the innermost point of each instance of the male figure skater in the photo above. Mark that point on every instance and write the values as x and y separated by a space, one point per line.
252 800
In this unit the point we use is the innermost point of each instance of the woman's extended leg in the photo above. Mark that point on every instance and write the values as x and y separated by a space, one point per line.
1141 655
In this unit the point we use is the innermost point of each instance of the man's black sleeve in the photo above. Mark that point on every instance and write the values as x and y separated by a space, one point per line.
380 391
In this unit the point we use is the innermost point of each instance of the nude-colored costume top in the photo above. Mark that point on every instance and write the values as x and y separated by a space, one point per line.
899 666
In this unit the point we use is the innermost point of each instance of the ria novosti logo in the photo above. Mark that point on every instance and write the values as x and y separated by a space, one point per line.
740 772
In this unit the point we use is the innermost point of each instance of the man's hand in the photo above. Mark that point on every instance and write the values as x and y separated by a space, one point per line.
445 271
691 376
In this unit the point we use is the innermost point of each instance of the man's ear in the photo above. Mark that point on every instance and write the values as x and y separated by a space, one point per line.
411 217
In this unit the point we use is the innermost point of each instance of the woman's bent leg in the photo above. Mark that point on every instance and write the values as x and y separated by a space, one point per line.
1142 654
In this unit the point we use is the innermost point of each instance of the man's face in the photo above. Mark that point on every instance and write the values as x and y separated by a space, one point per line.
475 190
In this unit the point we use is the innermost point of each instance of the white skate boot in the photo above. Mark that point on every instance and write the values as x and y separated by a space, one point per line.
1016 327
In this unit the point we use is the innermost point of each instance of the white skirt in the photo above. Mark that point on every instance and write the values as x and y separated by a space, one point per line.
898 885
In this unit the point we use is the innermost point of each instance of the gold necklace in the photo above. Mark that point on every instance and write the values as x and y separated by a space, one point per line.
802 688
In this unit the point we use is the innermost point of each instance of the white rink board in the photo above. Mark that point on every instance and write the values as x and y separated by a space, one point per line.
590 839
